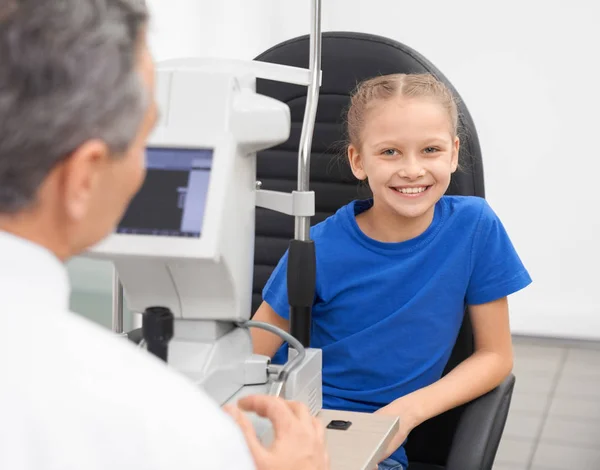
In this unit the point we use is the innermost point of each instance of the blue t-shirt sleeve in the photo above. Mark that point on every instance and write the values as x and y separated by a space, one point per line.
497 270
275 290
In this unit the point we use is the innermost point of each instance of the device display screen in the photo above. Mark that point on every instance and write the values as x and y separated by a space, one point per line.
172 199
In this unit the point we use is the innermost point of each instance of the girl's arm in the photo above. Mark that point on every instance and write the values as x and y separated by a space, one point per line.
264 342
480 373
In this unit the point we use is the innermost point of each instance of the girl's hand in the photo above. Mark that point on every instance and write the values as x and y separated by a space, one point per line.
407 412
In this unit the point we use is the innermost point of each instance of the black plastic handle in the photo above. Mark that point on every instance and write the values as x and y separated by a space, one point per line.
301 281
157 329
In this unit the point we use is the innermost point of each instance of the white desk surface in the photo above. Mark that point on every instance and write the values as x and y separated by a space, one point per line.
360 447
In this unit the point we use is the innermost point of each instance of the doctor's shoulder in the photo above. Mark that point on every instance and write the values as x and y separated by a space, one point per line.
180 425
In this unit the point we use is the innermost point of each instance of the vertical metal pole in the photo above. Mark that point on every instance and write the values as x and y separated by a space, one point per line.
302 224
301 268
117 307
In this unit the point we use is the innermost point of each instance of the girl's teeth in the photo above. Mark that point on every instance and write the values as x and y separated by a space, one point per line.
411 190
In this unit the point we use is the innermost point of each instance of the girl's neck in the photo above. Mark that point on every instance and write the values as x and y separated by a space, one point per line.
384 225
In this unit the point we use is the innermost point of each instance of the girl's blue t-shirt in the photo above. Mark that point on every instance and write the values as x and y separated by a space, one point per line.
386 315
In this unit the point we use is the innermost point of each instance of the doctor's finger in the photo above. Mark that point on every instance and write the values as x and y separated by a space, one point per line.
301 412
319 428
274 409
254 445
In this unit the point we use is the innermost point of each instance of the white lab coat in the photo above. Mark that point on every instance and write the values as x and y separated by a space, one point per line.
73 397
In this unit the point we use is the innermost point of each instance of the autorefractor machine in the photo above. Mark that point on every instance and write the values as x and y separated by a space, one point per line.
183 252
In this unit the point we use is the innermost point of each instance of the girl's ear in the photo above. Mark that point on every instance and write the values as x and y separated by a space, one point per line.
455 154
356 163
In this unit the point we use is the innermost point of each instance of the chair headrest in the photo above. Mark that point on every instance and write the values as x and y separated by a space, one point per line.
349 58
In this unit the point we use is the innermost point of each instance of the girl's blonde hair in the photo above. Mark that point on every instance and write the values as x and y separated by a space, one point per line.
382 88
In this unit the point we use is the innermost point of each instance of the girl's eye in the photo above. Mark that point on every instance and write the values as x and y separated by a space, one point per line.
389 152
431 150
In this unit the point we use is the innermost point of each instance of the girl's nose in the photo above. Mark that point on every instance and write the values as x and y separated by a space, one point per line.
411 169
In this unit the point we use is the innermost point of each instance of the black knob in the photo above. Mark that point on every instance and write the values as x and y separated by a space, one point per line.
157 328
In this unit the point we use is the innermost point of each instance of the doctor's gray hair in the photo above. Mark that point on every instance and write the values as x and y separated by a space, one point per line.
67 75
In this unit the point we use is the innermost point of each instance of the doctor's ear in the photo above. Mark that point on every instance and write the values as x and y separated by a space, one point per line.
356 163
82 175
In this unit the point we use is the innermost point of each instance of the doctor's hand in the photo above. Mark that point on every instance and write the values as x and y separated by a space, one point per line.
299 438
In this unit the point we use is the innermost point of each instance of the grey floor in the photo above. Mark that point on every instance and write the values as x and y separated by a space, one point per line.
554 422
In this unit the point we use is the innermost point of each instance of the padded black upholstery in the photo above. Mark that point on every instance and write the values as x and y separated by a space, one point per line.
424 466
348 58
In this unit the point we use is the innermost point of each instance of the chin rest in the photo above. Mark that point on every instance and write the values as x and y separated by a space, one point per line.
465 438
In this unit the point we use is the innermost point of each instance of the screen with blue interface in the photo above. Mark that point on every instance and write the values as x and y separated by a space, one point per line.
172 199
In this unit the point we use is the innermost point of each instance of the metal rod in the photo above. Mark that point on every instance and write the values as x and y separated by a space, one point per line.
302 224
117 307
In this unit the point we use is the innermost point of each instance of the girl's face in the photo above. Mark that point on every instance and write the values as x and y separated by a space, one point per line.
408 154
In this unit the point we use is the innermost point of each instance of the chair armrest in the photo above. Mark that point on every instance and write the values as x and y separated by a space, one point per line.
480 429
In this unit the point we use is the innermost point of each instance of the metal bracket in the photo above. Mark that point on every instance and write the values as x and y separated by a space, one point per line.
256 370
117 308
296 203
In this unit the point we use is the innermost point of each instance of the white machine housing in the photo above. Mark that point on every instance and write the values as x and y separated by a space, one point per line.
204 108
205 277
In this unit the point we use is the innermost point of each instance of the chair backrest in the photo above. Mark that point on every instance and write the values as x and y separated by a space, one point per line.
347 59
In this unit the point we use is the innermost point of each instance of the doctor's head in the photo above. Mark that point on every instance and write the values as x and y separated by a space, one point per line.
76 107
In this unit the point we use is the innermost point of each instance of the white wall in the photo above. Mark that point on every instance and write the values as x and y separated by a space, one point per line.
225 28
528 71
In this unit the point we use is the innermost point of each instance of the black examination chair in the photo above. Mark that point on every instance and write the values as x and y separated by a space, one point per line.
465 438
